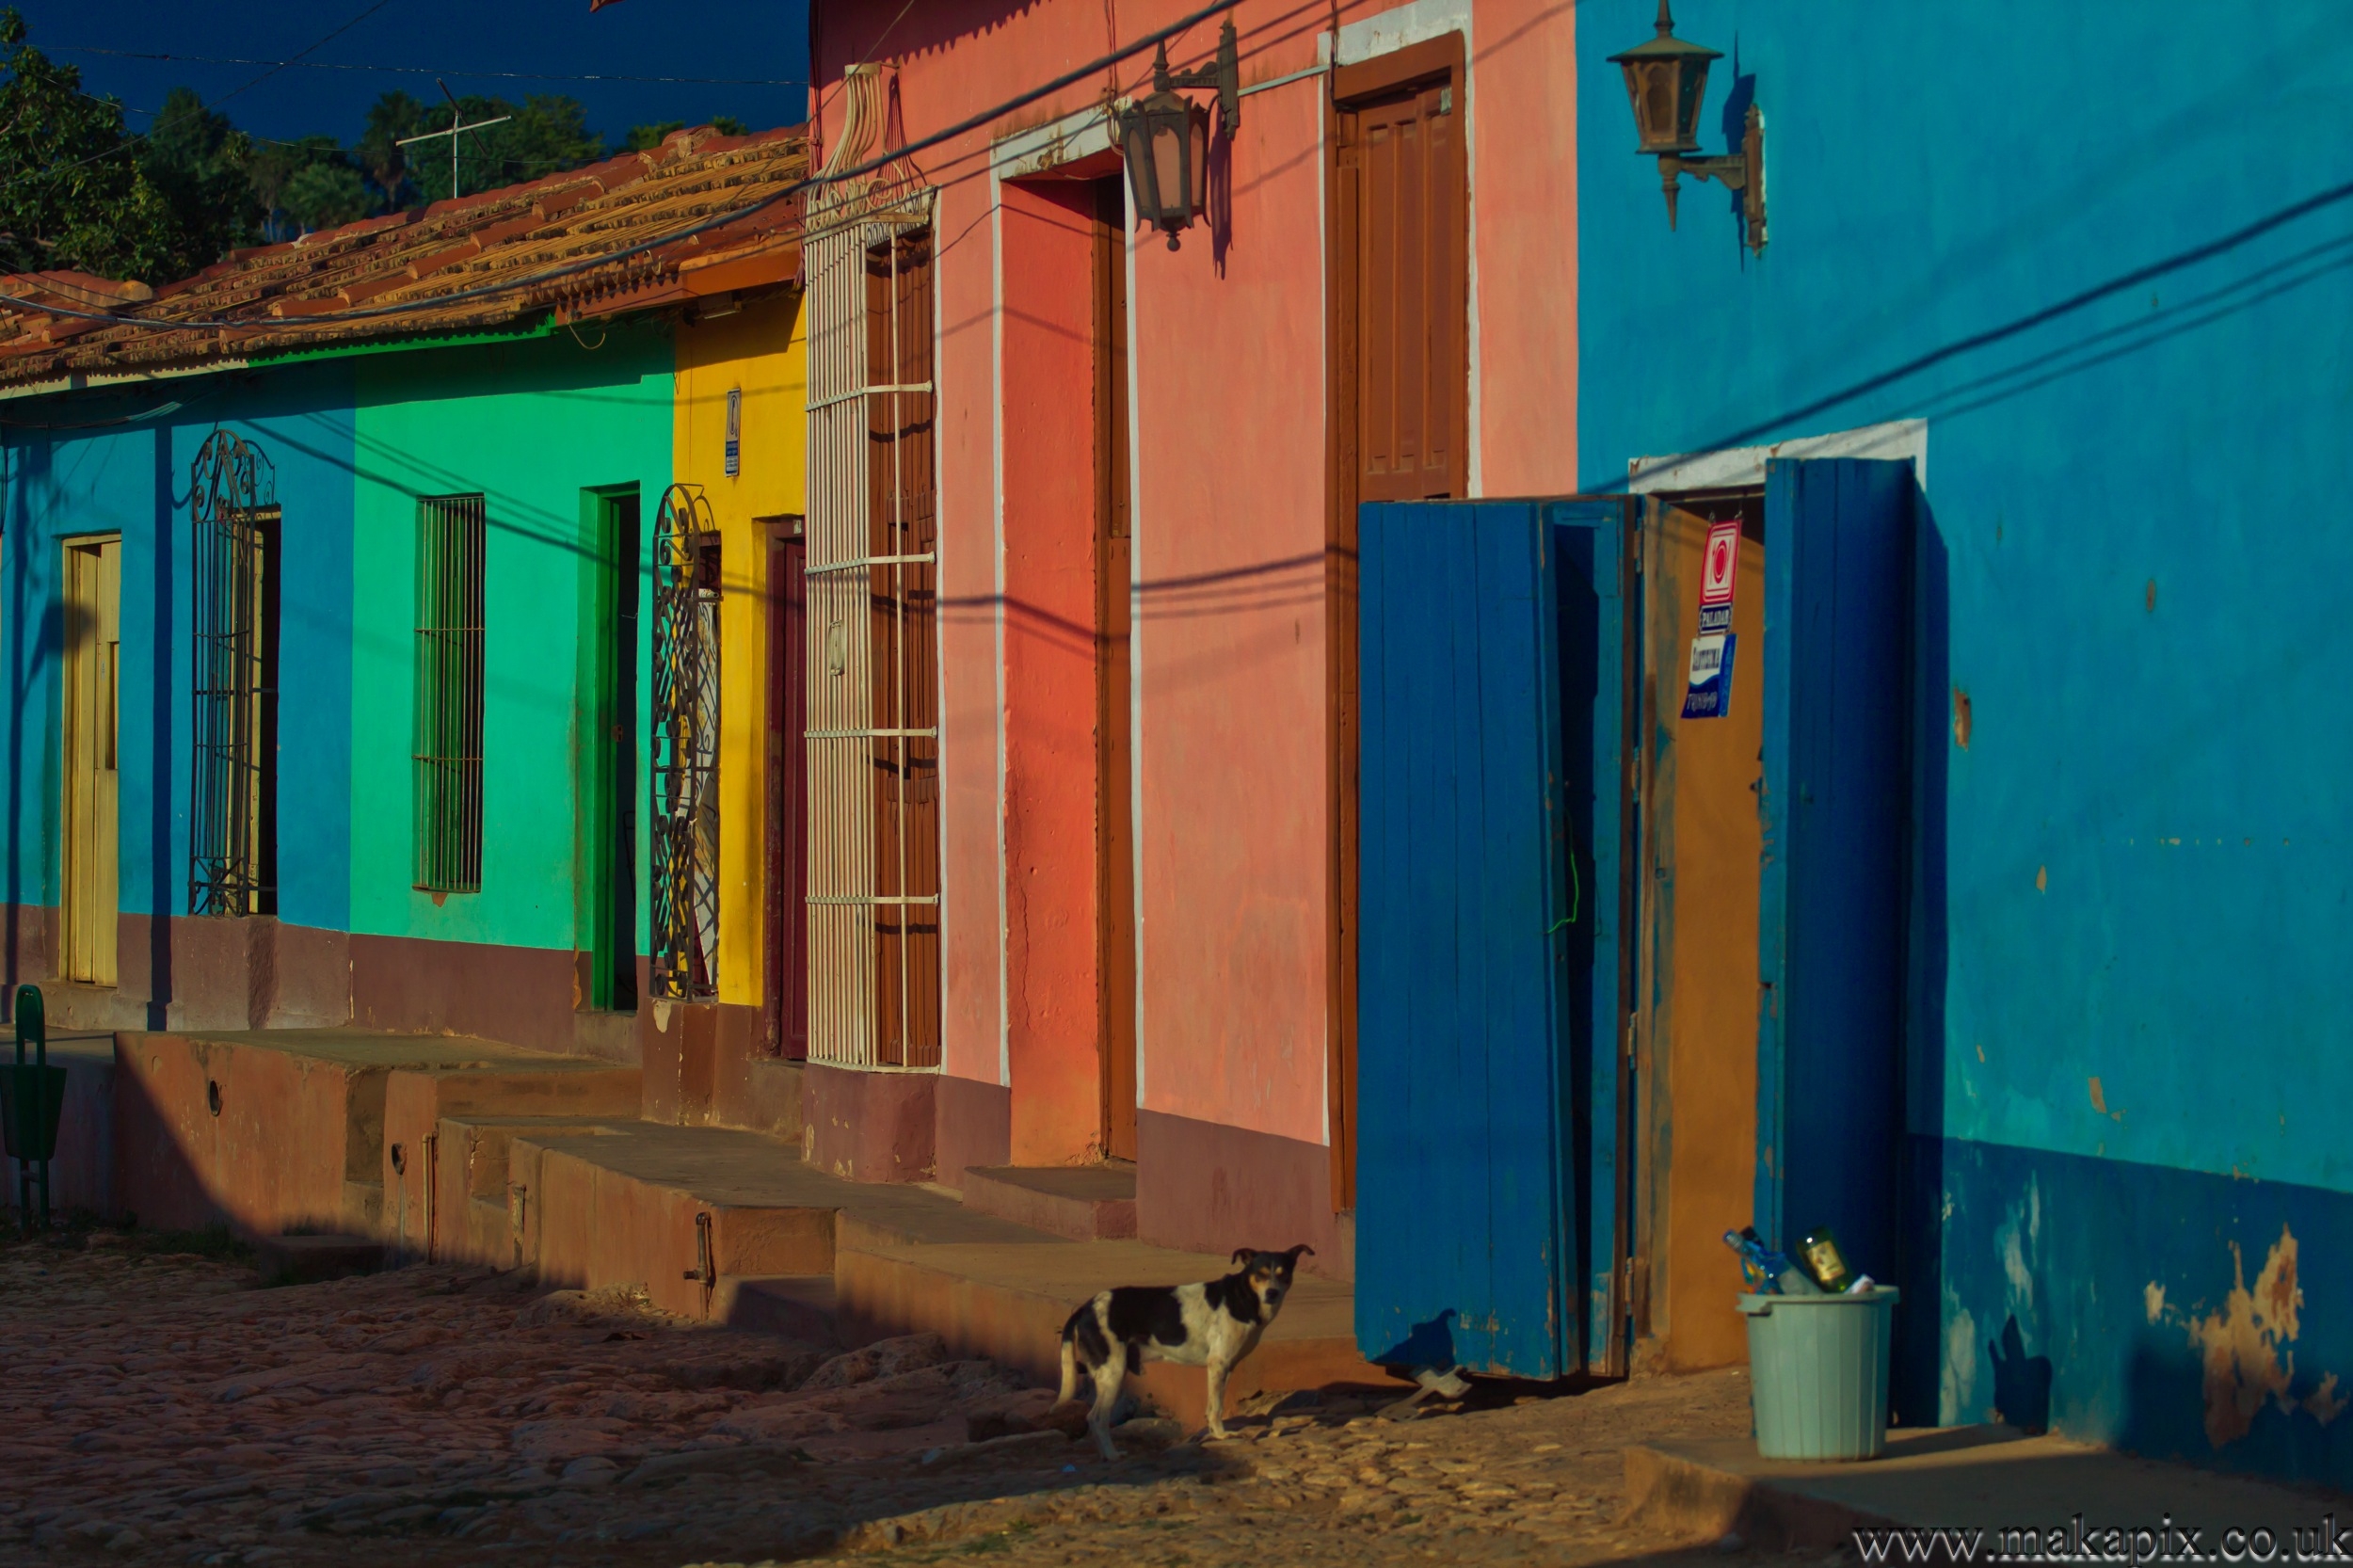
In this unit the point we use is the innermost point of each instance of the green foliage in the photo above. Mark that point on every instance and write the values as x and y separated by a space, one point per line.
326 193
73 193
378 150
644 138
547 133
198 162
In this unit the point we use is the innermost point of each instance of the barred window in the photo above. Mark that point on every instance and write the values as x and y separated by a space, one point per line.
450 531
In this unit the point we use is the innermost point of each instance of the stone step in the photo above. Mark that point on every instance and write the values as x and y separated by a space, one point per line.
272 1131
418 1099
798 1306
1086 1203
617 1204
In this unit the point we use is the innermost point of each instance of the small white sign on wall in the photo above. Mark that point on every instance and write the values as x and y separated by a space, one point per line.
735 431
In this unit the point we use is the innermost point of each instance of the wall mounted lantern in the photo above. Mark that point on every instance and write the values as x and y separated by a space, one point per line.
1667 81
1166 138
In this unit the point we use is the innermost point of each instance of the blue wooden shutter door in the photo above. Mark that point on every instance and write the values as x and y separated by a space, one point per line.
1836 798
1490 755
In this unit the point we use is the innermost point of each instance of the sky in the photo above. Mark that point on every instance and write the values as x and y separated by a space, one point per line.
759 46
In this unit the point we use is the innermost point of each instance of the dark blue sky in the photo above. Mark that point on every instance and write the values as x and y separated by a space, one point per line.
764 40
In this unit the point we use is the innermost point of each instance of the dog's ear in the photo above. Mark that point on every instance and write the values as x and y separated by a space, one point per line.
1303 1247
1244 1254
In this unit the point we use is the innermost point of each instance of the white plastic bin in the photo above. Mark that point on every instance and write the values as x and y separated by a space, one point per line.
1818 1373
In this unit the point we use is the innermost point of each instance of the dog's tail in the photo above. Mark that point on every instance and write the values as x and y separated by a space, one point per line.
1070 1357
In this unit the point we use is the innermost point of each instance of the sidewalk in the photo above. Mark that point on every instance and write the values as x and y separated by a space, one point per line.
1990 1479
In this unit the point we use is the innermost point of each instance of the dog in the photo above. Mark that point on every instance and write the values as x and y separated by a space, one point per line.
1212 1324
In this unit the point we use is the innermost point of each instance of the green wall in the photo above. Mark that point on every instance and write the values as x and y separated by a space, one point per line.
529 425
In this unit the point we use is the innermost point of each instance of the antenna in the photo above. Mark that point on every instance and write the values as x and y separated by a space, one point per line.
456 114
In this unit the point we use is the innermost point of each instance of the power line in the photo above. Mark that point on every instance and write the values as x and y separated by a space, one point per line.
590 264
429 71
200 108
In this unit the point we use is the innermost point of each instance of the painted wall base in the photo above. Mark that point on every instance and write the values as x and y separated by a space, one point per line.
975 1126
2171 1313
868 1127
186 972
1206 1186
705 1064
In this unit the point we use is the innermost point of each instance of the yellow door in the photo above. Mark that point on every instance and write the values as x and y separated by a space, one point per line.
93 686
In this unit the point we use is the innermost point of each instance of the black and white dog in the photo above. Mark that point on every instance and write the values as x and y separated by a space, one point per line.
1211 1325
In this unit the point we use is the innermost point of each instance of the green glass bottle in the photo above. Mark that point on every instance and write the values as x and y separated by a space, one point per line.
1819 1254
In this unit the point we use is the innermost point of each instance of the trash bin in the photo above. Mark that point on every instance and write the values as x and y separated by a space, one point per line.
1818 1373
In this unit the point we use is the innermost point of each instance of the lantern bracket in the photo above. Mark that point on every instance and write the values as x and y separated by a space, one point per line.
1223 73
1741 172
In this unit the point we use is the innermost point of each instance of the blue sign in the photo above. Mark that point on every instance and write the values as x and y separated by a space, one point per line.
1709 696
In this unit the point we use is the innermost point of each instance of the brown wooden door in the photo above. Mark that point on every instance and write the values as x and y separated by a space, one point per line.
1115 839
1400 412
786 925
93 687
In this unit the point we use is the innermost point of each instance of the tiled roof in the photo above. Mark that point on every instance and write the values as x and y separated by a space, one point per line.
278 298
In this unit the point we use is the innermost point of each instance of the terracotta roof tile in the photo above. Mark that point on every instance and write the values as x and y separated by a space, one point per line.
269 295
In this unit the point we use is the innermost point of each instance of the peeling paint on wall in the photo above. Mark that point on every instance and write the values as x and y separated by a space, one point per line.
2245 1346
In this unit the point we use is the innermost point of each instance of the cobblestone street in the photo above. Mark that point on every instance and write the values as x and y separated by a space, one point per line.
165 1407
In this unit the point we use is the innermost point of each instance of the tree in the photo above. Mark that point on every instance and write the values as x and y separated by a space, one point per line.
644 138
378 150
72 194
328 192
199 163
544 135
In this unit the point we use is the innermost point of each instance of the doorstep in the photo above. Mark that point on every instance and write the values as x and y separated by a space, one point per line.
794 1250
1988 1478
1086 1203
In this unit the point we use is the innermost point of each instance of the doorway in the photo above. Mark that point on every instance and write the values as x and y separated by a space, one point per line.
1400 418
1702 843
1115 900
92 703
613 815
785 927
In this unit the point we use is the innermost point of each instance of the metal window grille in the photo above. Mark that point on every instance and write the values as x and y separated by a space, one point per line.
685 774
233 519
873 727
450 538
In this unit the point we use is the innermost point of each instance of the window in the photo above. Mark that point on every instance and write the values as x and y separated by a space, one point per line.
684 917
872 597
233 805
450 532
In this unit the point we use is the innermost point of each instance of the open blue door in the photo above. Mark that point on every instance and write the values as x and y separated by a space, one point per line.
1835 802
1490 1192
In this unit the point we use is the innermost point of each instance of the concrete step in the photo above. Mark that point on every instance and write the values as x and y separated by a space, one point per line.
418 1099
617 1205
1086 1203
268 1131
469 1171
798 1306
1986 1477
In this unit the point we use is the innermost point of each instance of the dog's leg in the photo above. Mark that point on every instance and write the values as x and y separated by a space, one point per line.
1108 1378
1069 1372
1217 1368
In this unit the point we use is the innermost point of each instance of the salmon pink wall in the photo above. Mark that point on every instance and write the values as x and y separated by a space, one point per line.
1230 515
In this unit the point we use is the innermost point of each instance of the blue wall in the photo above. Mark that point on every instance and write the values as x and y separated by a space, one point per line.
131 479
2107 252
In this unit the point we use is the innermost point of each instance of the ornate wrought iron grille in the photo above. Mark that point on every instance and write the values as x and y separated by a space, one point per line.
684 906
233 521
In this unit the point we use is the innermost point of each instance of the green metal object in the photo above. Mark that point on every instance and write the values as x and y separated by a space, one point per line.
32 1102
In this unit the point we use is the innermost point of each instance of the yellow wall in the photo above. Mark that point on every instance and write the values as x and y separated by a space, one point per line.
761 349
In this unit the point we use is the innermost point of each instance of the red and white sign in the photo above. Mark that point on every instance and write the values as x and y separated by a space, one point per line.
1720 563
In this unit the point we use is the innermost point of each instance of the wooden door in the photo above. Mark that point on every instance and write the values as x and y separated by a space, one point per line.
93 686
1491 1188
1114 840
787 880
1401 422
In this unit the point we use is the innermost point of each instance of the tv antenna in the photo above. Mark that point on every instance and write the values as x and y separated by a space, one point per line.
456 114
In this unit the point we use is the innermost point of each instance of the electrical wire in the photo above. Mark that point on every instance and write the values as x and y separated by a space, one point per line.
426 70
202 108
486 291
